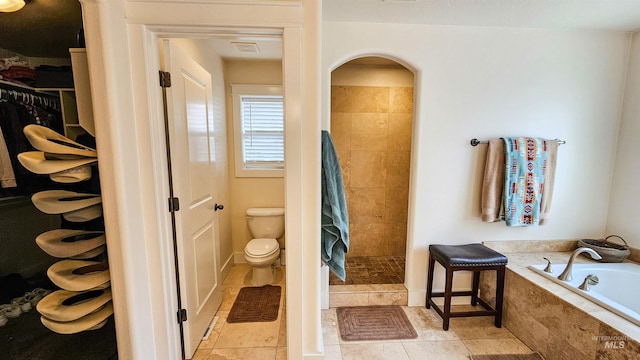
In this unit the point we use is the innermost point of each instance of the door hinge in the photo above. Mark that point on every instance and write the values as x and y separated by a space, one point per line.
182 315
165 79
174 204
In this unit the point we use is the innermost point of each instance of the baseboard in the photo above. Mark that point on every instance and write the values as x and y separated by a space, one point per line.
226 267
418 298
313 356
324 287
238 258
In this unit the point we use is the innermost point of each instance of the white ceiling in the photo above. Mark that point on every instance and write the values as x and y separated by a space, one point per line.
615 15
49 27
43 28
619 15
268 47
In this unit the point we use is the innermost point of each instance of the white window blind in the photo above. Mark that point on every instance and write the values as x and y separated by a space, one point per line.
262 127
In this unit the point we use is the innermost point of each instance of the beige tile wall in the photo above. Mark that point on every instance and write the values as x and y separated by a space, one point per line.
552 326
557 329
371 128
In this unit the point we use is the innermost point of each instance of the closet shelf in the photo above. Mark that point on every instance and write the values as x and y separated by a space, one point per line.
53 89
27 87
68 103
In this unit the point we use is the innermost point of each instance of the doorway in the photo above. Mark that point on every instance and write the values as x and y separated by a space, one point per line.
200 130
371 124
191 161
124 64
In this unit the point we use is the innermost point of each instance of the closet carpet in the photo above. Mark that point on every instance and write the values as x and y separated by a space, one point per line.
25 338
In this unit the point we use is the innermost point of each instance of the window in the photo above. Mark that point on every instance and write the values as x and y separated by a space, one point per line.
258 116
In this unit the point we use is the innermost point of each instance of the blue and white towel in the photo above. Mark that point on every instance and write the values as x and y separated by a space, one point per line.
525 165
335 219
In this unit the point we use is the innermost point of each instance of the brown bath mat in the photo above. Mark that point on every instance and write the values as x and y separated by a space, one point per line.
532 356
359 323
255 304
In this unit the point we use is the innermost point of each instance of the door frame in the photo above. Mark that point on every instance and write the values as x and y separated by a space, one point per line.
415 260
171 54
122 48
410 256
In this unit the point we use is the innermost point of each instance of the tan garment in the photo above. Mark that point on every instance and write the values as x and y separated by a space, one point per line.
7 176
493 181
549 179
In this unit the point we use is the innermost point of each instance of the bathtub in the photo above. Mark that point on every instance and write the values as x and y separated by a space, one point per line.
618 290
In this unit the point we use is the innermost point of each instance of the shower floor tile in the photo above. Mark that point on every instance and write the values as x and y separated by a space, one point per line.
371 270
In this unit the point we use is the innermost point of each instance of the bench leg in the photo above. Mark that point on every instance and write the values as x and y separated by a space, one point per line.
430 280
447 299
499 295
476 286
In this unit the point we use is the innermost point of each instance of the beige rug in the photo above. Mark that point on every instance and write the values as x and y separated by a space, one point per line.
360 323
255 304
532 356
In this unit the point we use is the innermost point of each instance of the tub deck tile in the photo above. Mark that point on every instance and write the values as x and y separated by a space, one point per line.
555 321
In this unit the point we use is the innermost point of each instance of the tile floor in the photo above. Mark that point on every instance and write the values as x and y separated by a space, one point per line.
250 341
466 336
371 270
267 340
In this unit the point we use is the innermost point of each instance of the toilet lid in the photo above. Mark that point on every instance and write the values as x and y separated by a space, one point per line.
265 211
262 247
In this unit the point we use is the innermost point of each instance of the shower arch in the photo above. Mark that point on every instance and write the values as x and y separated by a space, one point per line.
360 55
411 266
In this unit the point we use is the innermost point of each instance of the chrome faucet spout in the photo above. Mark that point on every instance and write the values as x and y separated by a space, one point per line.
566 274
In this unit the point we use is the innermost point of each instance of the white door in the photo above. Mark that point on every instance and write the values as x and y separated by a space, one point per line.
194 184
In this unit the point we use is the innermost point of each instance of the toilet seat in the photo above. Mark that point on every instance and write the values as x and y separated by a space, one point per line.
261 247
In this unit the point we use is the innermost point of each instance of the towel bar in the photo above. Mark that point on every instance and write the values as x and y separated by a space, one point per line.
476 142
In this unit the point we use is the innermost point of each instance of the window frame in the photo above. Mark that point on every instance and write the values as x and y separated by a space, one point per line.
237 92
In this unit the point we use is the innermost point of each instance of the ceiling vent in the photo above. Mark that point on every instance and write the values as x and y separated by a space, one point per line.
245 47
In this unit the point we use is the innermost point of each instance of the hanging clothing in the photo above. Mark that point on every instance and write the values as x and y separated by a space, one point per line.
14 116
7 176
11 124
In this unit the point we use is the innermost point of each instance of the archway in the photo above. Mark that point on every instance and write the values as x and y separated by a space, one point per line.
372 111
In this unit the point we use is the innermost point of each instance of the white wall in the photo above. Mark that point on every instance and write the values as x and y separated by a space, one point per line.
625 196
249 192
122 38
202 52
474 82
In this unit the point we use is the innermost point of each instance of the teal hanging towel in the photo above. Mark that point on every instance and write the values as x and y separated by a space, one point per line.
335 218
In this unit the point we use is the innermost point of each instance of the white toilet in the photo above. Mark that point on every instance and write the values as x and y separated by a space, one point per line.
266 226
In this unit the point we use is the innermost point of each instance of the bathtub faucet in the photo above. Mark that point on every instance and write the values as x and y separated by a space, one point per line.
566 274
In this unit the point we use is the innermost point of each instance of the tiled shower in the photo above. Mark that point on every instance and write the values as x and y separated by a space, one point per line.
371 127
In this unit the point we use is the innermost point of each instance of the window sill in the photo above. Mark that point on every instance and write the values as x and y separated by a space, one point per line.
259 173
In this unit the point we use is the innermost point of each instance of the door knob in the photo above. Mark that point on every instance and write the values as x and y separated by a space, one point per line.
217 207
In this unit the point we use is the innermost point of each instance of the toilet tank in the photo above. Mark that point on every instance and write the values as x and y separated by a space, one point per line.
266 222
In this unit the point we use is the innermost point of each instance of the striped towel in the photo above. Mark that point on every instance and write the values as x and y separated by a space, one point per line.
525 166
